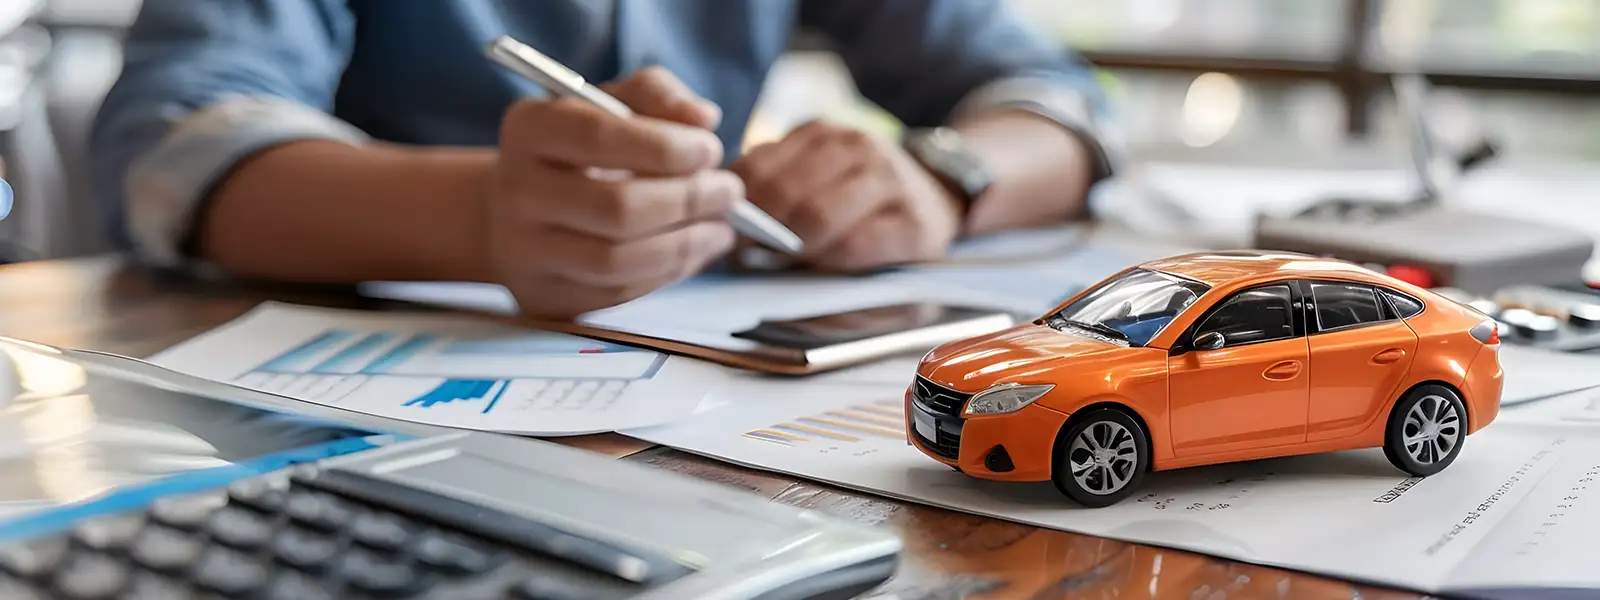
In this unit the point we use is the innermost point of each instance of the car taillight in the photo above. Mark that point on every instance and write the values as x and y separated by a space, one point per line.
1487 332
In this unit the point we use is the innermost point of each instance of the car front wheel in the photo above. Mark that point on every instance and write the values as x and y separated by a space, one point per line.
1102 458
1426 430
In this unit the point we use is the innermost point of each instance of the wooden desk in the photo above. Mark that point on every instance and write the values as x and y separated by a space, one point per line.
100 305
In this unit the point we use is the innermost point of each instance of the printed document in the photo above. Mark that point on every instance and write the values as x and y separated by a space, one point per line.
447 370
1517 510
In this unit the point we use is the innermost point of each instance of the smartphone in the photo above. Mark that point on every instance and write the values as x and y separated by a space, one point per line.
874 332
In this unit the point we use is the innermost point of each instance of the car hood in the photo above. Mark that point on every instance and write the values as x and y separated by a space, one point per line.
1019 353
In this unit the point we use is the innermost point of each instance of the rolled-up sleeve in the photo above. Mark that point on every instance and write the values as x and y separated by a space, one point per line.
928 62
203 86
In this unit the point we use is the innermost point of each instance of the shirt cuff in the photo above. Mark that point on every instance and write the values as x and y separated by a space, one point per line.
1064 104
167 186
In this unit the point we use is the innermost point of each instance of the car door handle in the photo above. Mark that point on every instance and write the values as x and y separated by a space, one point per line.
1389 356
1282 371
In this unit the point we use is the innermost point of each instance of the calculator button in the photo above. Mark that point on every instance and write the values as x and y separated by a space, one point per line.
186 512
14 588
383 531
165 549
149 586
1585 315
290 585
544 587
256 494
239 528
90 576
634 566
454 555
303 549
320 511
34 557
109 532
228 572
376 575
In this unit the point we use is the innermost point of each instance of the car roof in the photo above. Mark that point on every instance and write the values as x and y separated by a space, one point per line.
1218 268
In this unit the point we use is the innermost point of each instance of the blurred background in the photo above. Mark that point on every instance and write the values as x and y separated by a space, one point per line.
1288 82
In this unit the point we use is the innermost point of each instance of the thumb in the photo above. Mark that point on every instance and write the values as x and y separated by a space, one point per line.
656 92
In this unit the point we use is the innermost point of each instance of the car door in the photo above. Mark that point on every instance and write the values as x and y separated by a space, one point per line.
1251 392
1360 352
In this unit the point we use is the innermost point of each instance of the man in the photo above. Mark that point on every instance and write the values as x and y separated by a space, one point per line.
359 140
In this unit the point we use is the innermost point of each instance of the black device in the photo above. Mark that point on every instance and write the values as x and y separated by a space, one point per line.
869 324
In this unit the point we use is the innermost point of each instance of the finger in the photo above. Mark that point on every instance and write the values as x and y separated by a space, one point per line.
656 92
596 262
575 134
885 239
634 208
832 212
764 168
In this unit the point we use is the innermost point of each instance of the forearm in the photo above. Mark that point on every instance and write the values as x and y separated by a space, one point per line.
1042 171
329 212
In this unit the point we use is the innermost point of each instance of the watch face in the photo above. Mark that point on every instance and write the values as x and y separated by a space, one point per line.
942 151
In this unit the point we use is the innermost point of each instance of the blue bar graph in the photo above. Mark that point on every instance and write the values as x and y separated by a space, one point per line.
287 361
348 356
460 390
399 354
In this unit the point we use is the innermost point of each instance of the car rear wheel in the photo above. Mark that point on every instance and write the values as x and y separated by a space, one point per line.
1101 458
1426 430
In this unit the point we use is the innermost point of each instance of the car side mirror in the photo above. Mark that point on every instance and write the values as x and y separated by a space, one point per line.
1209 340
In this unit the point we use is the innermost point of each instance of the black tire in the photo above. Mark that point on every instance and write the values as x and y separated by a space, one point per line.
1431 456
1121 426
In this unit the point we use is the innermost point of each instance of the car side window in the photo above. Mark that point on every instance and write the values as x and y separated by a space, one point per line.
1406 306
1254 315
1345 304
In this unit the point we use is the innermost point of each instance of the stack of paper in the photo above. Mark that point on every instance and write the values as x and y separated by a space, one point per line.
1517 510
448 371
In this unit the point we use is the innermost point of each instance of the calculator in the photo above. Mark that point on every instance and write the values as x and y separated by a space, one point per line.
120 480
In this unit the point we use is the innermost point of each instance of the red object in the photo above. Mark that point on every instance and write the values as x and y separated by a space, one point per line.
1413 275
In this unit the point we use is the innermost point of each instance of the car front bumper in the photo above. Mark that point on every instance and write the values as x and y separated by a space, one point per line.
1017 446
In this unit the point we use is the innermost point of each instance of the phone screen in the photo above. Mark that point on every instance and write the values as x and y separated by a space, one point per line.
829 330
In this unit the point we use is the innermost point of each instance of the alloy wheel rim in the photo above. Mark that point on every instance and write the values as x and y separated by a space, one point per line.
1431 430
1103 457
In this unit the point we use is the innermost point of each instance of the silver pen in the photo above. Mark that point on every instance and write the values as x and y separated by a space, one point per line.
745 217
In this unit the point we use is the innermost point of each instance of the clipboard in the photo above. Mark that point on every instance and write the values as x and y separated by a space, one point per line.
788 343
822 342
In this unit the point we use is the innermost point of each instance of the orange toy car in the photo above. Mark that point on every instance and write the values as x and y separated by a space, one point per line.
1209 358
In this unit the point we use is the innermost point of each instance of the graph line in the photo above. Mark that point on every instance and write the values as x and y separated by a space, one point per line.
399 354
877 431
352 352
317 344
772 436
817 431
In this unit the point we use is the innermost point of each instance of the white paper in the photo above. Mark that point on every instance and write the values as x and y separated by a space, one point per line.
1347 514
447 370
1025 274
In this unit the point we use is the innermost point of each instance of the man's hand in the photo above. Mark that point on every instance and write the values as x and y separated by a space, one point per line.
858 201
586 210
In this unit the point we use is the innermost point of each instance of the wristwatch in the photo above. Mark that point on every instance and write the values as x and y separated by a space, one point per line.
943 152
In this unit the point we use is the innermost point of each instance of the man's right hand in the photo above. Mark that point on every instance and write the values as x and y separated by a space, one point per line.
585 210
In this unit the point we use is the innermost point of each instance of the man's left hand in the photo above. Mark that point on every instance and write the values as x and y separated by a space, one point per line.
858 201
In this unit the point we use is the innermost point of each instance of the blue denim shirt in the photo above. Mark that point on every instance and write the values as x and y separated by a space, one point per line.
207 83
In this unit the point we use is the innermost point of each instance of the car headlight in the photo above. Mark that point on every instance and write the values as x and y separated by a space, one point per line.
1006 397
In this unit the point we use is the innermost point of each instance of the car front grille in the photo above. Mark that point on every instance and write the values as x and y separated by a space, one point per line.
939 399
948 445
945 405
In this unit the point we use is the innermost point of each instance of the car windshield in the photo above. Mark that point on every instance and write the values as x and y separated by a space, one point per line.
1129 309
